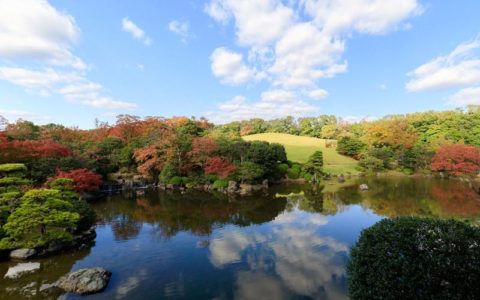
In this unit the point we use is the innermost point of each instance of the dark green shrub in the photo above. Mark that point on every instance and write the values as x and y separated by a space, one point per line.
416 258
177 180
371 163
306 176
220 183
294 171
350 146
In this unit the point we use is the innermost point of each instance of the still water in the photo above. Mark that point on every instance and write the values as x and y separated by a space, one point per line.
291 242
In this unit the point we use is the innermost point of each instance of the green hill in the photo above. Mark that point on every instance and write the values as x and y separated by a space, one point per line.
299 148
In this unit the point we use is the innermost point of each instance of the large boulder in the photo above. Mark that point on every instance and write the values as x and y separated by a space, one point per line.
23 253
22 268
85 281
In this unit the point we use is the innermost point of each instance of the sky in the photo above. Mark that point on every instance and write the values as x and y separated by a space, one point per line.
71 62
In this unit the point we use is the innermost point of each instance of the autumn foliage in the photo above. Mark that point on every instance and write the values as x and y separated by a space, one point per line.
83 180
219 166
23 151
457 160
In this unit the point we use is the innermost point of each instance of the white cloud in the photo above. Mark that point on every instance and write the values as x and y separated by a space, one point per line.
41 80
466 96
13 115
382 86
278 96
180 28
459 68
135 31
273 104
37 40
294 44
72 85
337 17
304 261
304 55
318 94
230 67
33 30
105 102
257 22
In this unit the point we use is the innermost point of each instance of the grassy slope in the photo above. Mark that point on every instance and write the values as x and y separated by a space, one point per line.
299 148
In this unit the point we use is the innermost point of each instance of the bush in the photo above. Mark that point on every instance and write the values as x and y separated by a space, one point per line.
307 176
350 146
7 168
408 171
220 183
177 180
416 258
294 171
371 163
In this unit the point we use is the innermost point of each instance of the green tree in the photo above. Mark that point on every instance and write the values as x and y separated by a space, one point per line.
250 172
350 146
314 165
42 217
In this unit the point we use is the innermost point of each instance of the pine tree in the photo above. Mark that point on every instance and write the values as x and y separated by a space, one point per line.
314 164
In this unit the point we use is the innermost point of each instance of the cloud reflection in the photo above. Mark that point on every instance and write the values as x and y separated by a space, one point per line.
287 256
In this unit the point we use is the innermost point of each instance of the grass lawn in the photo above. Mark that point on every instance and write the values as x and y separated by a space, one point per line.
299 149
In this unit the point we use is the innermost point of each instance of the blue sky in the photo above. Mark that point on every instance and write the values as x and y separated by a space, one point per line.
73 61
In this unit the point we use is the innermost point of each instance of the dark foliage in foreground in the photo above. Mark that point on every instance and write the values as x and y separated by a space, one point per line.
416 258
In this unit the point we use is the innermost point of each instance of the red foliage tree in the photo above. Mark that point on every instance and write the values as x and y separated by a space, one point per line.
23 151
83 180
457 159
219 166
202 149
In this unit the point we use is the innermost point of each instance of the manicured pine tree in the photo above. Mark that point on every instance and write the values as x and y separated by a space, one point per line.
314 165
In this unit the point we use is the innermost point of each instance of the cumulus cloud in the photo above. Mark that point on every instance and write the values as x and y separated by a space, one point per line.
318 94
182 29
136 32
466 96
272 104
461 67
230 67
337 17
294 44
13 114
33 30
37 40
72 85
300 260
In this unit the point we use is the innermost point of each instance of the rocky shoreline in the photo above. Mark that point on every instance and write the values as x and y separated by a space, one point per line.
78 241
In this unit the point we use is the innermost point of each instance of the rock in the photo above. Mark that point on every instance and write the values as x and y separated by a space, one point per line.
23 253
363 187
232 186
21 269
341 178
246 189
265 184
85 281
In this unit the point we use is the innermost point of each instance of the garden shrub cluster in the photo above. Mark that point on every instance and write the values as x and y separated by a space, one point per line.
416 258
32 218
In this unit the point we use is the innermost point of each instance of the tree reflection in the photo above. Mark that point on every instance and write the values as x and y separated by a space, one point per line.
195 212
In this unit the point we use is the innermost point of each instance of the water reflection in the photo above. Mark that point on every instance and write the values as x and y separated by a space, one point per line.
290 243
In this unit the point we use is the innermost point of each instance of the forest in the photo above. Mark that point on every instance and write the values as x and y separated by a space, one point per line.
189 151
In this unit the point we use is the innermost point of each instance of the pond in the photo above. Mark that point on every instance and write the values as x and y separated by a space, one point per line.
290 242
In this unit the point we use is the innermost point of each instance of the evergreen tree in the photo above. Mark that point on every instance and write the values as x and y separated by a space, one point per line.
314 164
